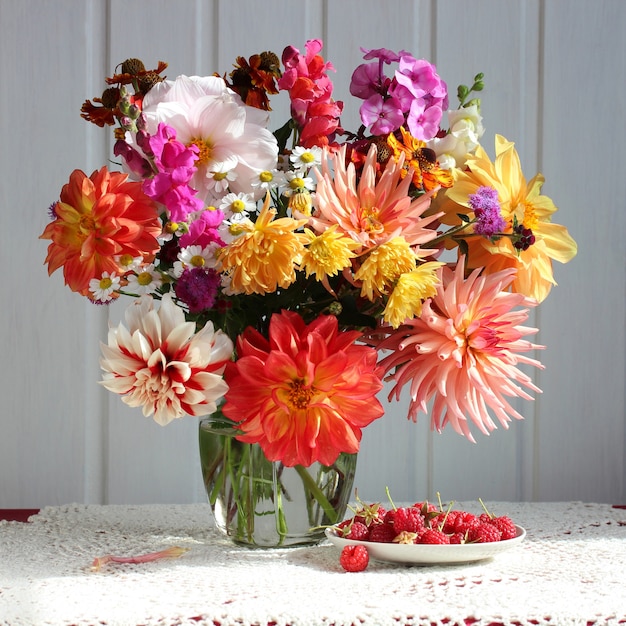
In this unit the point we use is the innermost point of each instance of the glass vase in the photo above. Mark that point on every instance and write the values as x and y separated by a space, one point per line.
260 503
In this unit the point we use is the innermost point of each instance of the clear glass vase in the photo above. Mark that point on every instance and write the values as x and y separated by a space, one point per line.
259 503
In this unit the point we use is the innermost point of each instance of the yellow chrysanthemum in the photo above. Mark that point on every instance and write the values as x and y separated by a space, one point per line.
327 253
265 256
410 291
383 266
519 200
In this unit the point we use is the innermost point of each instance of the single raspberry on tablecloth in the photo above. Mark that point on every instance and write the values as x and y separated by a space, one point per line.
354 558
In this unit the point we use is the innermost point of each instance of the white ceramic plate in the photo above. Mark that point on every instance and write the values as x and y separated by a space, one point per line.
418 554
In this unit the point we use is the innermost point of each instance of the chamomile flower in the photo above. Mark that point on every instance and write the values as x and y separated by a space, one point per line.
219 179
146 281
297 182
129 263
104 289
268 180
194 256
303 159
237 206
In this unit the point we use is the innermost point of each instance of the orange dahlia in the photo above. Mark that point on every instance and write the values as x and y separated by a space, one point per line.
305 393
96 220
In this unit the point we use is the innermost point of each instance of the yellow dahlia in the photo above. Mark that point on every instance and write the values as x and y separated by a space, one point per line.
328 253
521 202
411 289
265 256
383 266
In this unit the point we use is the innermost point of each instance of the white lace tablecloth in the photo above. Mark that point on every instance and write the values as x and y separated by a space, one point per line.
571 569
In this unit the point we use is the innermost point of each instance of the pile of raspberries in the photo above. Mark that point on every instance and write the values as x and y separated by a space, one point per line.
420 523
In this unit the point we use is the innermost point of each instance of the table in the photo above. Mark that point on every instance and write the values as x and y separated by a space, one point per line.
571 569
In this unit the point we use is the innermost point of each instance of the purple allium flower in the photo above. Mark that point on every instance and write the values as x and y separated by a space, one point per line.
486 207
197 288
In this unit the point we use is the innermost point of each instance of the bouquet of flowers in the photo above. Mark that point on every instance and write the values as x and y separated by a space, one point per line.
284 275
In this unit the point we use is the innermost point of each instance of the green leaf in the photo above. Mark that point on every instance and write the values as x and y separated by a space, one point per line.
283 133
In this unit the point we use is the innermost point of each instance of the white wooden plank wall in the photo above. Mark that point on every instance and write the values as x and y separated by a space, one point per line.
555 84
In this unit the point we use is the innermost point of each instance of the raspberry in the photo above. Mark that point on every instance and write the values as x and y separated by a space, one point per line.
457 538
354 558
408 519
456 522
506 526
382 533
357 531
484 532
434 537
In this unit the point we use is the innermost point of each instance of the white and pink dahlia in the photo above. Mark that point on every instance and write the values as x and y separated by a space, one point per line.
160 363
232 138
463 352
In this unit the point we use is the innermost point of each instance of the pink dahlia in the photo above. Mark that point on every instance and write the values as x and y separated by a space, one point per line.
305 393
162 364
370 209
463 351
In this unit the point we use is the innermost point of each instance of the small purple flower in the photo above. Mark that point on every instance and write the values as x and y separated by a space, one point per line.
134 161
197 288
486 207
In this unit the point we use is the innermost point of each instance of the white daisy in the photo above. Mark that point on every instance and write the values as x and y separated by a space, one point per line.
220 178
267 180
303 159
194 256
103 288
297 182
144 282
237 205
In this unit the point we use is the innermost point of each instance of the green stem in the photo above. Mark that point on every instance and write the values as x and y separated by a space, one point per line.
318 494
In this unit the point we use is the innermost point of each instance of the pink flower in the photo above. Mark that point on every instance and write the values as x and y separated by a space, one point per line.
383 115
175 164
310 90
203 230
162 364
463 352
305 393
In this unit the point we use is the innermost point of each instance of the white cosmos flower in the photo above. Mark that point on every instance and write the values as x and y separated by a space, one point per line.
230 135
160 363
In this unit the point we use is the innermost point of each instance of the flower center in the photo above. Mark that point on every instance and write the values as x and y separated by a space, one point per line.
307 157
205 149
299 395
144 278
105 283
126 260
266 177
197 260
369 219
87 224
296 183
238 205
219 175
530 217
